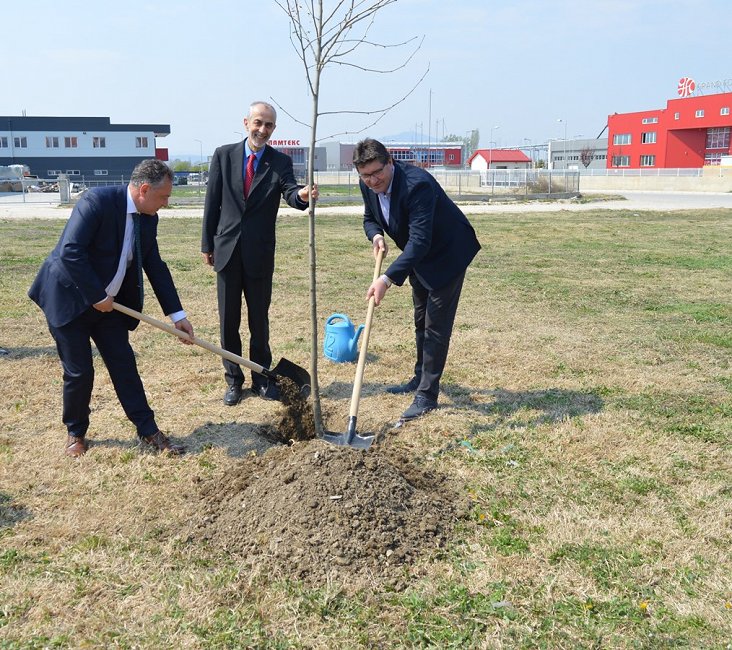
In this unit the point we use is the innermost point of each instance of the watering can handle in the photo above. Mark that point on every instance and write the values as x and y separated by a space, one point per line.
333 317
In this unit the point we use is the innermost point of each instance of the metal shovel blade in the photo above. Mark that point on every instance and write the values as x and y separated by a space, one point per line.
296 374
350 438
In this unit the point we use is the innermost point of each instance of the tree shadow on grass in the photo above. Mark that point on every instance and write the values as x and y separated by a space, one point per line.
14 354
520 409
553 404
239 439
10 513
343 389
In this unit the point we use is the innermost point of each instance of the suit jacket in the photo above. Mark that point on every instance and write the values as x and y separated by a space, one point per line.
228 217
76 273
437 240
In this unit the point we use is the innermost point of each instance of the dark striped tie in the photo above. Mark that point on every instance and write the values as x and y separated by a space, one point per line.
138 256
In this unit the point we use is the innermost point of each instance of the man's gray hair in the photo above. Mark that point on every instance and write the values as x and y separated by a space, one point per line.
153 172
266 105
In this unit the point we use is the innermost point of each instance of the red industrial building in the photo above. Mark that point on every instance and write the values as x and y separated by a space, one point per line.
692 131
443 154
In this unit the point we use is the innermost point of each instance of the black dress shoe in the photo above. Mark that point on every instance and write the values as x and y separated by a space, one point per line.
419 407
269 391
233 395
400 389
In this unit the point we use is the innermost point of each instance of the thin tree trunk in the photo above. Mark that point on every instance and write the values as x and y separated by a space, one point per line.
314 345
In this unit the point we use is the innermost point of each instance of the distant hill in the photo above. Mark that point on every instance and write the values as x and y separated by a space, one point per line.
404 136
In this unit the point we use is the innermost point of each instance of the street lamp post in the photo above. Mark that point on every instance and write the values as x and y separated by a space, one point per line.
490 151
565 141
200 167
531 151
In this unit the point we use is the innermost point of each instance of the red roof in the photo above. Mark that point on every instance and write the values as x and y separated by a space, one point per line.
501 155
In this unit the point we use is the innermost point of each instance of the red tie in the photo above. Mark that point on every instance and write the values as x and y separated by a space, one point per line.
249 176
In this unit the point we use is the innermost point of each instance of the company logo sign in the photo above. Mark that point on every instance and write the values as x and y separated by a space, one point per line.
720 84
686 87
284 143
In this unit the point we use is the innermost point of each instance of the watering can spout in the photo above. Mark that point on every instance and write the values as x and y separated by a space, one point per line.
353 343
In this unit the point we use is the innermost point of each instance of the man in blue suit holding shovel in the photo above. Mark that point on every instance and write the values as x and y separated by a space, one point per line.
110 237
437 243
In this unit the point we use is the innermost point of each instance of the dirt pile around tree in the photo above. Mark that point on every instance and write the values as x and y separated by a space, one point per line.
317 512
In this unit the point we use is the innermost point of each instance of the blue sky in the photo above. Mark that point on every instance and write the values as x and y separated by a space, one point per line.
519 65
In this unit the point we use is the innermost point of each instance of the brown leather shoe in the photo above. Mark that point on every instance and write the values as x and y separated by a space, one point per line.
76 446
160 442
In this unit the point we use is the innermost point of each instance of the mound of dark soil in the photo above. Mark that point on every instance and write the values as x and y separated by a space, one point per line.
318 512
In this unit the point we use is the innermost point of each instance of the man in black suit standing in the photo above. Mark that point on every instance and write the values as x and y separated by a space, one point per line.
110 237
437 243
245 183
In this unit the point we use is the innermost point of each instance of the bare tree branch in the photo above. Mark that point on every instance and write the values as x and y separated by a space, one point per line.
404 64
321 39
380 110
286 112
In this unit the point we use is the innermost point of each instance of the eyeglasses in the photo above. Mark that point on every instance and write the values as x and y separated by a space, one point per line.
374 174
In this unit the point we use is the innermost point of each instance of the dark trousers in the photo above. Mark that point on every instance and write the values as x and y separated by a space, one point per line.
231 283
434 316
111 336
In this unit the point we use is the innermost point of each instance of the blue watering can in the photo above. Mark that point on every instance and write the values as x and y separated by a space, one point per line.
341 339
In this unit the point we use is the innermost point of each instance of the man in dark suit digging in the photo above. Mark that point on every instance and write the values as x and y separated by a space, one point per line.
110 237
245 183
437 243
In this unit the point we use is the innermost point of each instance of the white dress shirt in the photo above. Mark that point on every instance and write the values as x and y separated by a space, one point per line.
385 201
125 258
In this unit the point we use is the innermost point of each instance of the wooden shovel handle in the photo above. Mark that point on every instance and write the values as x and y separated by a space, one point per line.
358 381
196 341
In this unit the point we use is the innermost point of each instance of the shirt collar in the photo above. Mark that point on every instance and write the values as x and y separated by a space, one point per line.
131 207
391 184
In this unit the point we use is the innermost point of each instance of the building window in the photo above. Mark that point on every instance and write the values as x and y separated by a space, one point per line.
677 116
650 120
100 172
73 172
699 112
99 142
621 138
724 110
648 161
141 142
718 138
53 172
297 155
649 137
51 142
20 143
621 161
3 142
713 158
70 142
401 154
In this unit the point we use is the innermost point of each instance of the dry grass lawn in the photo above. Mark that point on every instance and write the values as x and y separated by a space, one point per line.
587 412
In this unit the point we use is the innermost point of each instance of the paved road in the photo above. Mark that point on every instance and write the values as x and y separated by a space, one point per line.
630 200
